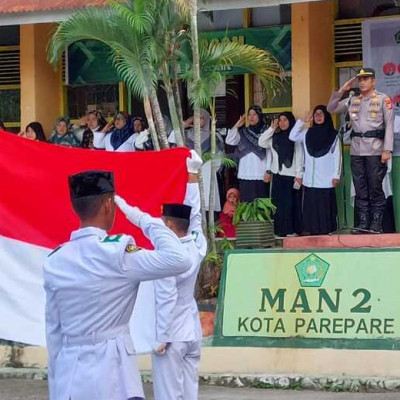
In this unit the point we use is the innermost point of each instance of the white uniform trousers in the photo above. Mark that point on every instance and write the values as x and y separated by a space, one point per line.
175 374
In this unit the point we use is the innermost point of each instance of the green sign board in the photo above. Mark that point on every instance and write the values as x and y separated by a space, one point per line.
89 63
335 298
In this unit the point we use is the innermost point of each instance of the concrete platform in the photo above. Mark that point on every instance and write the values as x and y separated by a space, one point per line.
342 241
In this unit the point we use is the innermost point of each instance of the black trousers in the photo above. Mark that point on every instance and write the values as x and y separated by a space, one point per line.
368 173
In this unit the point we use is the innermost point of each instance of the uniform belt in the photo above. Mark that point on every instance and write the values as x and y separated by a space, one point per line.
378 133
95 337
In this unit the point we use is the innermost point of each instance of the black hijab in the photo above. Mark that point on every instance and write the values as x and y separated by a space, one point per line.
120 136
320 137
282 144
249 136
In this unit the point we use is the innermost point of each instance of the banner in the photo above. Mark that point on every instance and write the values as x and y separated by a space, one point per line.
332 298
381 51
36 216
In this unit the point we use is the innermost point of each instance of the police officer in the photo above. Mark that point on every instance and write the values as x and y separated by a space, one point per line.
178 328
372 118
91 283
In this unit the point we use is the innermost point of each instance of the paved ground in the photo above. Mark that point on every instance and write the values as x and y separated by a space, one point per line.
37 390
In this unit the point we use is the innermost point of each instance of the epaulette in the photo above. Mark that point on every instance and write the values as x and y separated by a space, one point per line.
131 248
112 238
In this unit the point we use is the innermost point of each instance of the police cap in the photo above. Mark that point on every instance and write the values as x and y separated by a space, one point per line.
367 72
91 183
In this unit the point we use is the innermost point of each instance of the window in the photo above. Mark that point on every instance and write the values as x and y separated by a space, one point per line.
367 8
9 35
10 96
84 98
264 16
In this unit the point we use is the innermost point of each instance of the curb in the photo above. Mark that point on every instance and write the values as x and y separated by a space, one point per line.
293 382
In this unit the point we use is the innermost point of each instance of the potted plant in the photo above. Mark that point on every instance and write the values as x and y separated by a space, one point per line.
254 224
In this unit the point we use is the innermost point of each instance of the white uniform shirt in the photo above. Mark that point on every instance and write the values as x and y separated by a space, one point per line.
177 315
297 167
318 172
102 140
91 284
250 166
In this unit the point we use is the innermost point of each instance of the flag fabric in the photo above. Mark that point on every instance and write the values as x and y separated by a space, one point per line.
36 216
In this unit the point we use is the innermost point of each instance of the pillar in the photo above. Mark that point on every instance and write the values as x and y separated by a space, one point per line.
312 54
41 84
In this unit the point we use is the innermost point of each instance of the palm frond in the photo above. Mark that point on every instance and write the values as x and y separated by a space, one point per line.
139 14
184 6
227 161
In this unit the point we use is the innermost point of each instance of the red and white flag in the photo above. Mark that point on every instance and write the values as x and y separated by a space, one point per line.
36 215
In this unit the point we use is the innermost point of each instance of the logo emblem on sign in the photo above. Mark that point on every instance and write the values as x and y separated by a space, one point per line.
312 271
397 37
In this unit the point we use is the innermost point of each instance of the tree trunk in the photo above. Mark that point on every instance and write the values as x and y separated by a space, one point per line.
211 221
196 120
159 122
177 96
152 128
172 110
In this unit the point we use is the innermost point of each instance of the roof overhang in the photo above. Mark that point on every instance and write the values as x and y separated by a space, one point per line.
49 16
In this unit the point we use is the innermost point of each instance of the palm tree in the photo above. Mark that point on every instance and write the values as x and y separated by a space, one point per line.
189 8
128 31
217 57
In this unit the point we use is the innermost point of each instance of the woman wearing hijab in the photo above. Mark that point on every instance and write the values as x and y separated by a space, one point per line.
226 216
286 166
138 125
95 123
321 172
205 139
253 159
117 135
62 135
34 131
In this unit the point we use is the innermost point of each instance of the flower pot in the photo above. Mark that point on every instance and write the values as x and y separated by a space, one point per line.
255 234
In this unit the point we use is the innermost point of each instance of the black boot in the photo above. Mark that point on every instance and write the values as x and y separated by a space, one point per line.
376 224
363 223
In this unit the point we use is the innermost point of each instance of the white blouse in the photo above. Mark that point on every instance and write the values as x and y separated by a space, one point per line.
250 166
102 140
318 172
296 169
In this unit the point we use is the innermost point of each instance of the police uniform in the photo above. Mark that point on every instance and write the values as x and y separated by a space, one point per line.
175 373
372 120
91 283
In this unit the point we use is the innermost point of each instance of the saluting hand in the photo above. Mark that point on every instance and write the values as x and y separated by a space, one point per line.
347 86
275 124
241 121
133 214
108 127
308 116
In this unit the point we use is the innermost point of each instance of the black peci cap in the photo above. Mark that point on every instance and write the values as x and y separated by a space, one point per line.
91 183
177 211
368 72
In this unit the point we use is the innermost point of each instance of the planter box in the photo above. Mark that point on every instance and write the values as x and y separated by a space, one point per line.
255 235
